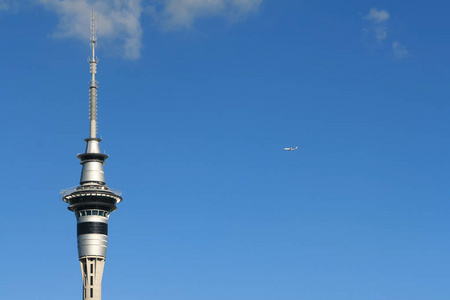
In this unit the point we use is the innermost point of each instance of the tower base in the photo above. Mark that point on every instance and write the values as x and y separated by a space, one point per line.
92 273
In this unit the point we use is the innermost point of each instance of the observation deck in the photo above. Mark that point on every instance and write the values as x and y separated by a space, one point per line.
92 197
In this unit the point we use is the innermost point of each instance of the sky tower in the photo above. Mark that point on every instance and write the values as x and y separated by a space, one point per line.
92 201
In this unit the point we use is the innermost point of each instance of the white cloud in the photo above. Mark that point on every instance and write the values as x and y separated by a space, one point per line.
4 4
181 14
378 18
380 33
118 22
400 50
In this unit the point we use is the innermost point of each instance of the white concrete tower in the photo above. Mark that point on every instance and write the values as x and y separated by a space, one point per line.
92 201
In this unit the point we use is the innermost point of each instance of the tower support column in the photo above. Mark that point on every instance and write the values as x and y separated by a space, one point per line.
92 273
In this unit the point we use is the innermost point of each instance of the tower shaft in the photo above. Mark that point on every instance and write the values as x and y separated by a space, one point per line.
92 273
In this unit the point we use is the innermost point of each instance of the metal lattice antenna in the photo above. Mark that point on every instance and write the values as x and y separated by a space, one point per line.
93 85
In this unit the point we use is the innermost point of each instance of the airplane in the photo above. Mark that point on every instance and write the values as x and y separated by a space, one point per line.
291 148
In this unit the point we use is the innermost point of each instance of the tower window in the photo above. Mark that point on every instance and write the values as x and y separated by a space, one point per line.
92 280
92 268
95 212
89 212
92 292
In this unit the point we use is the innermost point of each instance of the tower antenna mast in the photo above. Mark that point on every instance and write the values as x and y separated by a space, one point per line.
93 85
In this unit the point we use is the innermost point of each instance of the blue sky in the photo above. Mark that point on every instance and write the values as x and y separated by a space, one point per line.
197 100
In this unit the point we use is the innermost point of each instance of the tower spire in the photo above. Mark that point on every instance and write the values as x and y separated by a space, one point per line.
93 85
